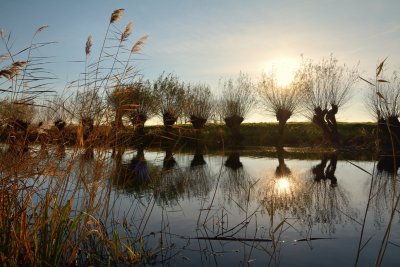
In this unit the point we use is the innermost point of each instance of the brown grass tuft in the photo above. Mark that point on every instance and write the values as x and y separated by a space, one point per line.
139 44
13 70
89 44
126 32
116 15
41 28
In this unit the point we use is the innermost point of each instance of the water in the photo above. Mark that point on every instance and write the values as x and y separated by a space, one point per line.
233 208
238 209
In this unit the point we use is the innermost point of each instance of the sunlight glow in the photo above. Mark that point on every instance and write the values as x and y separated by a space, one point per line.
282 185
283 68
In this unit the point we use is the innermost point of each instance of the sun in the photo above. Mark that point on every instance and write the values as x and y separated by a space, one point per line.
283 68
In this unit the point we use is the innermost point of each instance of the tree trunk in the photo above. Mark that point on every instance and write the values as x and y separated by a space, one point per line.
282 115
326 121
169 120
138 122
233 124
197 122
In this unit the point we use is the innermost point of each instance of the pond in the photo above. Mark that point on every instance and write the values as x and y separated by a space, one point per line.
253 207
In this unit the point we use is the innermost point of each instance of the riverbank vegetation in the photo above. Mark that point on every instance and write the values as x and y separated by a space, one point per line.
62 154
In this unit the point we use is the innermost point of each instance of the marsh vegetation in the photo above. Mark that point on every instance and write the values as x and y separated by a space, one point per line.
84 181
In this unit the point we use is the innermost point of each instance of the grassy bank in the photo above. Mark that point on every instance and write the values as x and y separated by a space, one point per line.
297 134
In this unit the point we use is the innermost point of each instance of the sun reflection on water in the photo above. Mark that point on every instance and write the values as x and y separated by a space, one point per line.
283 186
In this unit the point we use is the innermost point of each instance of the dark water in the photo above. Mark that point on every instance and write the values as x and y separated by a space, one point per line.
230 209
244 207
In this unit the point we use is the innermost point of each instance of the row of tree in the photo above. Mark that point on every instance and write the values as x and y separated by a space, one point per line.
111 90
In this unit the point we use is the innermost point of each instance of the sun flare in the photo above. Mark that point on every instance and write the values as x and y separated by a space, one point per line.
283 68
282 185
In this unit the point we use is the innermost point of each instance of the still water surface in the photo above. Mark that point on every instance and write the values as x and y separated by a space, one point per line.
231 209
243 207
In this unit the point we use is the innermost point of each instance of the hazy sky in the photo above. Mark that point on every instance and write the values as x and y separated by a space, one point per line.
205 40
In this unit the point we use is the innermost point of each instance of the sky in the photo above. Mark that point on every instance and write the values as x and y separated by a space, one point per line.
208 40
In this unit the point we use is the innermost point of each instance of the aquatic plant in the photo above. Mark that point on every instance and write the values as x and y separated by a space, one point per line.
23 81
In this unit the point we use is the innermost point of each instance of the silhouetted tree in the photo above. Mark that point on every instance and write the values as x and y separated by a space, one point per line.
236 102
279 101
327 87
199 104
170 94
146 105
384 103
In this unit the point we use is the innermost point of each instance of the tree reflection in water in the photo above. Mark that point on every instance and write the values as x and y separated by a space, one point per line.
315 198
132 176
283 191
385 187
198 177
236 183
327 202
323 173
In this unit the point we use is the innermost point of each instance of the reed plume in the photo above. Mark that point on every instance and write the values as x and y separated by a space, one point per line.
13 70
41 28
126 32
116 15
139 44
3 57
88 46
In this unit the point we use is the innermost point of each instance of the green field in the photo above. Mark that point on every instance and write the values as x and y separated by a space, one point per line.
297 134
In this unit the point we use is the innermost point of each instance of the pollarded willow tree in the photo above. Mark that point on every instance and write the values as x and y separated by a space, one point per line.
384 103
327 86
199 105
170 94
144 104
281 101
236 102
137 102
